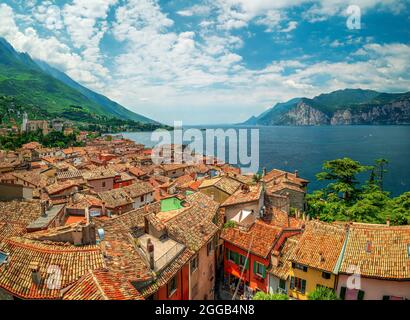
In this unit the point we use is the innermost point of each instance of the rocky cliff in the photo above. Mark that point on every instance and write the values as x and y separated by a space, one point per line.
343 107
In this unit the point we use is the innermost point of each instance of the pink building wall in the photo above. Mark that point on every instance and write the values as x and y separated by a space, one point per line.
100 185
202 280
375 289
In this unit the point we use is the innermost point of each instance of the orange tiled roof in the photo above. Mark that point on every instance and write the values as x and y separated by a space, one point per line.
224 183
389 254
280 218
284 266
102 285
72 261
15 216
264 237
320 245
194 226
244 195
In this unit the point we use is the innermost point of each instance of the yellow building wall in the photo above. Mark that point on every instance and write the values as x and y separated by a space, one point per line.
218 195
313 278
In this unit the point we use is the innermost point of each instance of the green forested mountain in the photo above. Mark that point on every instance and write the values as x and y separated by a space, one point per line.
35 86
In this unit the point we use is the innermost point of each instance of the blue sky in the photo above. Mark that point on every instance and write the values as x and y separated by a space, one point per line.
214 61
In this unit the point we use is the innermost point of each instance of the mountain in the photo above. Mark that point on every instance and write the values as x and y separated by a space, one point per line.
342 107
38 86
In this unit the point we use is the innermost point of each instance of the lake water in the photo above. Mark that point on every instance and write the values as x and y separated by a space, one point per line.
306 148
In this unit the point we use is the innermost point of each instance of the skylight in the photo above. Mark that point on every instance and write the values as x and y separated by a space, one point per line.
3 257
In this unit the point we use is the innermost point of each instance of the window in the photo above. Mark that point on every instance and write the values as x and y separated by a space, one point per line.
103 184
282 284
299 266
232 256
242 260
259 269
194 264
142 199
326 275
298 284
172 286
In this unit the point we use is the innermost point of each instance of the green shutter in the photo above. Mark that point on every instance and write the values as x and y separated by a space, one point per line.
303 286
227 253
254 267
263 272
247 264
360 295
236 257
342 293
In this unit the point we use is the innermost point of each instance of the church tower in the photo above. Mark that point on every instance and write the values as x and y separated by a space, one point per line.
25 121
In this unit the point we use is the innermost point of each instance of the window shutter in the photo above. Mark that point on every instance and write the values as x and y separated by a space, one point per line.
227 253
342 293
236 257
303 286
255 267
360 295
247 264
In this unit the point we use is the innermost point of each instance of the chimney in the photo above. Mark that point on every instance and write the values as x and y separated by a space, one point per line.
321 257
35 273
388 221
103 209
296 173
263 172
87 215
150 250
43 206
286 175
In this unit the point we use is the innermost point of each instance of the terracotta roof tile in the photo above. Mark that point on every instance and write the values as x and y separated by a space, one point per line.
320 245
264 237
379 251
73 262
102 285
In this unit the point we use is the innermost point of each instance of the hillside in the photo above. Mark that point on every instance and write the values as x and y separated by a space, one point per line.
342 107
36 85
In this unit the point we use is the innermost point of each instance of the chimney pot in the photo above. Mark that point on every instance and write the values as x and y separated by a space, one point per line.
35 273
150 250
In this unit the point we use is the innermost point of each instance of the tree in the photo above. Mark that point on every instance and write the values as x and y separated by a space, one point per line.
343 172
270 296
322 293
257 178
380 170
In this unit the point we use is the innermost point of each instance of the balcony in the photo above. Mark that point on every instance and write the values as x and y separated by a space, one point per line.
165 250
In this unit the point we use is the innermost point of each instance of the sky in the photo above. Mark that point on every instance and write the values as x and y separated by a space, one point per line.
215 61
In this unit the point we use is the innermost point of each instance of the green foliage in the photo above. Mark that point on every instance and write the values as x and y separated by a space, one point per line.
322 293
362 203
229 224
343 172
270 296
53 139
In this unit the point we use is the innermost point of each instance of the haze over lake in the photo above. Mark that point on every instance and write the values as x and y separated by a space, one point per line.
306 148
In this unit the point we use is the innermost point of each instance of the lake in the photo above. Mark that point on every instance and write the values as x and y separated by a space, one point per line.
306 148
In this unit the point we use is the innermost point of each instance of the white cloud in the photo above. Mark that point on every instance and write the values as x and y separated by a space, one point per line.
50 50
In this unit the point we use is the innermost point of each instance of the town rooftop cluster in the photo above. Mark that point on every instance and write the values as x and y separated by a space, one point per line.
104 222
